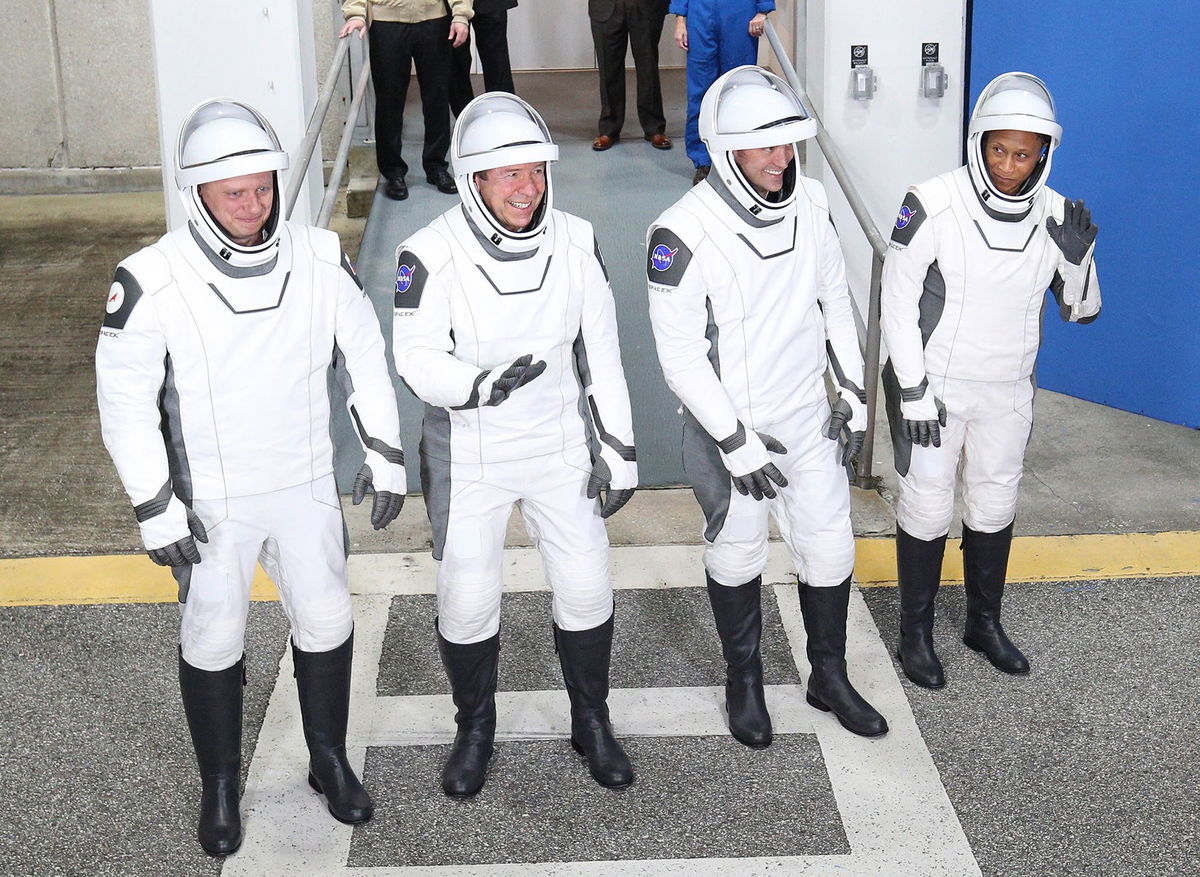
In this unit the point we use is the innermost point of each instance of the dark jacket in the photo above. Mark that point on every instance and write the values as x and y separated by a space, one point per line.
602 10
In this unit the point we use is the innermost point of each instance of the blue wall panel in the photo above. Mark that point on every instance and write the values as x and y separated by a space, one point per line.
1123 77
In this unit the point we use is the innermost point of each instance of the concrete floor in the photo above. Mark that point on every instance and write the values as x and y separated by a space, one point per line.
1084 767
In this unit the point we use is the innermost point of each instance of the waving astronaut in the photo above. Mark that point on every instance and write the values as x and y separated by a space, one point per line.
750 308
972 254
505 326
211 380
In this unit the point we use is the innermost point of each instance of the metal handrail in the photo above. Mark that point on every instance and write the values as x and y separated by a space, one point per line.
315 122
863 477
343 152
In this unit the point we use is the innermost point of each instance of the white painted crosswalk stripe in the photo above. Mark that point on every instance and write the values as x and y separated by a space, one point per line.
894 809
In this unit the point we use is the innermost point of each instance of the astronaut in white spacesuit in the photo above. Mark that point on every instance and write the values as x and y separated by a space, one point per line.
505 326
212 387
749 305
972 254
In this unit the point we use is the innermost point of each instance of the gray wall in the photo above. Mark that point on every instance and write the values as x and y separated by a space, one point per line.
78 100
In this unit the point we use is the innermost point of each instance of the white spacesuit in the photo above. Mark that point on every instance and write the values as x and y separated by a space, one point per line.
750 308
506 327
972 254
212 387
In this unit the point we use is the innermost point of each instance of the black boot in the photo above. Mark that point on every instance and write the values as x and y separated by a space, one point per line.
738 614
584 655
323 682
212 701
985 568
829 688
919 570
472 669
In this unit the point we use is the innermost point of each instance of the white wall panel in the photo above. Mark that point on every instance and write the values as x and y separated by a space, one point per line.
259 52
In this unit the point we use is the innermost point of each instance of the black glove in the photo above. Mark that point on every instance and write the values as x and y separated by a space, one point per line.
611 501
386 505
926 432
522 371
184 551
839 421
758 483
1076 234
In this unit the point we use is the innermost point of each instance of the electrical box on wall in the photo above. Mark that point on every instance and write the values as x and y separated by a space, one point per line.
886 77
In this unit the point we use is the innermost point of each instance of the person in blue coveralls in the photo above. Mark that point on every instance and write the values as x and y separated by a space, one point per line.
717 35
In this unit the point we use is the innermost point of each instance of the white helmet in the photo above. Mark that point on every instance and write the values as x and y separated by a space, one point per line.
1011 102
498 129
752 108
219 139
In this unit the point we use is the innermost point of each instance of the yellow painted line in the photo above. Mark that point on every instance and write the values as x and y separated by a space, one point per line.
1056 558
133 578
113 578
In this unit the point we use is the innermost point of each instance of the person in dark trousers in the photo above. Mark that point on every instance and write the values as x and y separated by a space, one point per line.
490 25
403 33
616 25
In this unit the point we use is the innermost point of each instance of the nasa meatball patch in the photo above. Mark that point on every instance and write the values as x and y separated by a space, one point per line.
123 295
410 281
908 220
667 257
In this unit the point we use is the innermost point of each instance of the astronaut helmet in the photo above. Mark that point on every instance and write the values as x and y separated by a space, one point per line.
497 130
752 108
1011 102
219 139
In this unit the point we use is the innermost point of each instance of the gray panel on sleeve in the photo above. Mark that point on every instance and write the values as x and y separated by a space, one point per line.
172 429
667 258
932 303
129 294
411 276
911 216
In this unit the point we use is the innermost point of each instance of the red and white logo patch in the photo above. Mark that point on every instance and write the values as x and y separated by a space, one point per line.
116 298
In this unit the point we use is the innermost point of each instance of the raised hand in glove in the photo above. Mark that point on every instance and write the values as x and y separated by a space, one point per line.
745 456
183 551
1076 234
600 485
849 415
498 385
923 420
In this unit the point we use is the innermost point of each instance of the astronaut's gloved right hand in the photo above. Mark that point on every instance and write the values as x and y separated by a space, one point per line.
170 536
745 456
923 419
1077 233
497 385
389 481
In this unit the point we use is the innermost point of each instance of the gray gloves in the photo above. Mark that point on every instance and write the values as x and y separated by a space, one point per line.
184 551
745 456
387 504
851 418
600 482
1076 234
498 385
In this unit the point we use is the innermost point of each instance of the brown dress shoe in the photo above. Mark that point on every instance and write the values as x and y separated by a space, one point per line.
603 142
659 141
701 173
